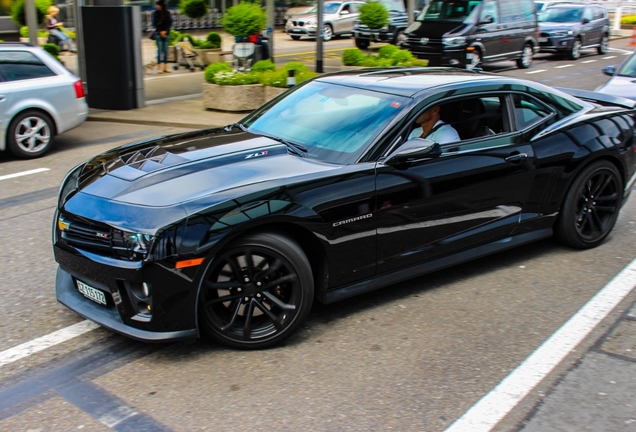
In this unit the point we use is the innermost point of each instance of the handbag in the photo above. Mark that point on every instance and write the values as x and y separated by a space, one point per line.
153 34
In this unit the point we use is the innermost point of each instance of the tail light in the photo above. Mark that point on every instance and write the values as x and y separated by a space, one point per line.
79 89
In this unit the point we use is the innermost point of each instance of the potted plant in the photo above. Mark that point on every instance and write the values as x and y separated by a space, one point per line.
375 16
244 20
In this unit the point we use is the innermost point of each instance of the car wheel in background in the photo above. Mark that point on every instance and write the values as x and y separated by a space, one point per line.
525 60
256 292
30 134
602 48
362 43
327 32
575 51
476 57
591 206
295 37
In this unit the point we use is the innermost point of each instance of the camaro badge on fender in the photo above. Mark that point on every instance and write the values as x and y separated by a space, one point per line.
355 219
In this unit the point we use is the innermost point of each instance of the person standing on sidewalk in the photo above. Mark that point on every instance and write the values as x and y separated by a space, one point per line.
162 21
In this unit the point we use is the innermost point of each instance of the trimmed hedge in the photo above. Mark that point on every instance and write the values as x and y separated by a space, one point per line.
389 55
264 72
18 14
374 15
244 19
194 8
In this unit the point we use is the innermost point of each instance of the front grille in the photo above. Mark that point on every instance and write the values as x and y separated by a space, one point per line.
99 239
299 23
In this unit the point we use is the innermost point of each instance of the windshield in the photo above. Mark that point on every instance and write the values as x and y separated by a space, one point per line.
560 14
334 123
328 8
539 6
451 10
628 69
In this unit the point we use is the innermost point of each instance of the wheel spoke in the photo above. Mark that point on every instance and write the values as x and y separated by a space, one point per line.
249 262
221 285
247 330
606 209
597 220
603 198
270 315
600 184
283 279
583 223
223 299
236 306
271 268
592 222
278 302
236 269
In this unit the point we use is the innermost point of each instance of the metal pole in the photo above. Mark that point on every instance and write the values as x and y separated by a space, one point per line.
79 40
31 21
271 21
617 16
320 32
410 10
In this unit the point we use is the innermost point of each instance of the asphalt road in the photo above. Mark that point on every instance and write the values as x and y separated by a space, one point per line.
414 356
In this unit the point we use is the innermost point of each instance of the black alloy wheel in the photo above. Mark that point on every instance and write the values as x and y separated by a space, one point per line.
257 292
591 206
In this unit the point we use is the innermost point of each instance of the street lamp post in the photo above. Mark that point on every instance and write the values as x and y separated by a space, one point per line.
31 21
319 36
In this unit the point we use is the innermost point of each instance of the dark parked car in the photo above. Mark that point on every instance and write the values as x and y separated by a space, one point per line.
569 28
320 195
393 32
623 81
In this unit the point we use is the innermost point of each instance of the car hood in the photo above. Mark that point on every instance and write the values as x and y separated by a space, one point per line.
174 170
556 26
620 86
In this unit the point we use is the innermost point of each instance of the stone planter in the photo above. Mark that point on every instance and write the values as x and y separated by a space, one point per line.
235 98
205 55
41 40
270 93
172 54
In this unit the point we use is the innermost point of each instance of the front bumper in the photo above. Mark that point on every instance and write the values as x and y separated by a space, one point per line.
378 36
555 44
173 298
302 31
451 57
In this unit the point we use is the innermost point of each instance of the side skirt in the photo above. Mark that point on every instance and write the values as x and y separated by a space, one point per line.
434 265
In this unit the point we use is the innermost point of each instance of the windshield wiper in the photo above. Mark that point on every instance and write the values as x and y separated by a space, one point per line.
238 125
298 149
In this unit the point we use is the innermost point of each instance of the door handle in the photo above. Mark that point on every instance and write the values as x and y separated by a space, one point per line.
3 98
516 158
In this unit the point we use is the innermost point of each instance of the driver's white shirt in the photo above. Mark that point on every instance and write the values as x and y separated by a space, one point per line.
444 134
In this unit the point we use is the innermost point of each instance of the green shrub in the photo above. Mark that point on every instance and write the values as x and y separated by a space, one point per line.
194 41
628 20
206 45
244 19
52 49
374 15
174 37
18 14
352 57
24 32
215 39
213 69
369 61
387 51
278 78
237 78
295 65
402 57
193 8
263 65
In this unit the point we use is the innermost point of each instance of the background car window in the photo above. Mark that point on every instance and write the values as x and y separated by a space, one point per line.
528 111
489 10
510 11
587 14
560 14
527 9
22 65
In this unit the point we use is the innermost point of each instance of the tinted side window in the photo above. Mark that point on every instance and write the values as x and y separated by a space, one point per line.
528 111
527 9
22 65
587 14
510 11
489 11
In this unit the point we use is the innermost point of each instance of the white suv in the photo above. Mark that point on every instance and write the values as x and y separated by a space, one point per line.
39 98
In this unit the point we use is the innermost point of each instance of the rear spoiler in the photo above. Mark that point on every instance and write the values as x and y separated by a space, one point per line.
599 98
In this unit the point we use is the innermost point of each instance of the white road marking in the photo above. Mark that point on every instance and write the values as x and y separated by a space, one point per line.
536 71
626 52
588 61
46 341
608 57
494 406
563 66
23 173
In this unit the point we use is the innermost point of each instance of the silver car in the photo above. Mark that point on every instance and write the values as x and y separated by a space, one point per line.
338 19
623 81
39 99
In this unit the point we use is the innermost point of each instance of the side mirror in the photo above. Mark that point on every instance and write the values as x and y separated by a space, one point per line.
488 19
586 20
344 12
609 70
413 150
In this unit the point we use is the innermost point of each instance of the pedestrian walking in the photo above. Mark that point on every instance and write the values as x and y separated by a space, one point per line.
162 21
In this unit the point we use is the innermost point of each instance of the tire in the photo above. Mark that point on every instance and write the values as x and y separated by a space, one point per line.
30 134
327 33
591 206
602 48
295 37
362 43
476 60
399 38
256 292
526 57
575 51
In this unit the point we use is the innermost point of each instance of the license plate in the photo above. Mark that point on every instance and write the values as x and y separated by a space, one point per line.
543 39
91 293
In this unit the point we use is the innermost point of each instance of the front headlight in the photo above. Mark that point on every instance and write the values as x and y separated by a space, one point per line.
138 243
310 23
562 33
454 41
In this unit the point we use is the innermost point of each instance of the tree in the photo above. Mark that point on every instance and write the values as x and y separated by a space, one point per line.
18 14
194 8
374 15
244 19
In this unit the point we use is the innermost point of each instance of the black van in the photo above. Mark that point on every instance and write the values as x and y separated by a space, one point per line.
464 33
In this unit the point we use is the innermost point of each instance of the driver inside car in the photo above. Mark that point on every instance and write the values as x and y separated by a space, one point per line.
433 128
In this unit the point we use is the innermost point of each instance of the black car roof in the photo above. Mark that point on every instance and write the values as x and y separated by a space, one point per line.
408 81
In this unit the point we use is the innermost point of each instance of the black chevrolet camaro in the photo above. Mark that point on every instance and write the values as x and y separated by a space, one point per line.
321 195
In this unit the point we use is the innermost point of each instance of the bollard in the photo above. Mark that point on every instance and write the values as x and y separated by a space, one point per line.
291 78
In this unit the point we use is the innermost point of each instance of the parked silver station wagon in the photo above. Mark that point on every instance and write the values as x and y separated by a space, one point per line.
39 98
338 19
